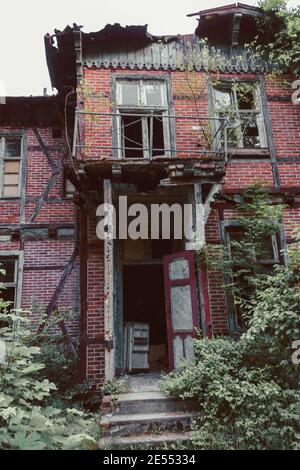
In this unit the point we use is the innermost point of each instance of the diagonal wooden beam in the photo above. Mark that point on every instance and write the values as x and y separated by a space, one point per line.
56 294
55 171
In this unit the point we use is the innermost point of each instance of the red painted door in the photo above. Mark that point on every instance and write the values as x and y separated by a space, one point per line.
181 306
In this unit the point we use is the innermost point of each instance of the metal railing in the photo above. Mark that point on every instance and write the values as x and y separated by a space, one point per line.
148 134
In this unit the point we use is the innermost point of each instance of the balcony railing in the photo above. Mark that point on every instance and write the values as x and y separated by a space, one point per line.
148 135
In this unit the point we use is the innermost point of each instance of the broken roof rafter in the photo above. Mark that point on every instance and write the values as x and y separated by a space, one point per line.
133 47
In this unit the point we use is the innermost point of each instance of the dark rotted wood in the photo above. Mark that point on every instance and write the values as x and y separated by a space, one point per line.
38 111
100 339
43 268
83 242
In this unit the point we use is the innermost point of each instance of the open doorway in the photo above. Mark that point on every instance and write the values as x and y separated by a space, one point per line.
144 304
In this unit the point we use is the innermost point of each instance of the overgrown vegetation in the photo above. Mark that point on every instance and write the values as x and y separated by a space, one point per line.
278 39
248 390
34 412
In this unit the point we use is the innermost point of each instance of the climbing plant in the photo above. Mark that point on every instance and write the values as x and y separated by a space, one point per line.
278 38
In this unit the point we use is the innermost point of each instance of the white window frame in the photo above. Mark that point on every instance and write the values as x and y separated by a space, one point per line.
257 113
143 108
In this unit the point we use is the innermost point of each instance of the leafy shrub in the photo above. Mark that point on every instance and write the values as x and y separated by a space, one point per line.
249 390
27 419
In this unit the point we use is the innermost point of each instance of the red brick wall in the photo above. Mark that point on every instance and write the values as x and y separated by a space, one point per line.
39 284
240 173
44 258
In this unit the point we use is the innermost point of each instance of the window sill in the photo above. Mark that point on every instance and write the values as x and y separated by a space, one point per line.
11 198
249 153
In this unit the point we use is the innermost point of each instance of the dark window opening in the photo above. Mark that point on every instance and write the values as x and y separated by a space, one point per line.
264 263
132 137
9 267
8 281
158 142
13 147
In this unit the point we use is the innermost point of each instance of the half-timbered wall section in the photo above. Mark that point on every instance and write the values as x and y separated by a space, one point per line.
37 221
149 123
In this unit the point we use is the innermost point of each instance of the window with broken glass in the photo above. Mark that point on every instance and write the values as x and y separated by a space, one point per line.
10 165
264 262
142 122
9 280
241 104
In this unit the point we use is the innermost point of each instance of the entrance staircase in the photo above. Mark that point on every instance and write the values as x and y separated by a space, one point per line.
144 417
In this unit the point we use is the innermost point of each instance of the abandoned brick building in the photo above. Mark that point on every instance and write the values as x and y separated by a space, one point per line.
131 117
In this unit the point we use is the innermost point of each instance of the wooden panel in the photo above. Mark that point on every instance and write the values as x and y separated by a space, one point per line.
11 179
181 306
12 167
10 191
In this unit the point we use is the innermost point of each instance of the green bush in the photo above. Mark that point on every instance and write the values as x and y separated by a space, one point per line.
27 418
249 390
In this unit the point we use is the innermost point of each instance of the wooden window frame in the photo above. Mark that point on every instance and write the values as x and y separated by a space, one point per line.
168 125
233 227
258 113
4 159
7 256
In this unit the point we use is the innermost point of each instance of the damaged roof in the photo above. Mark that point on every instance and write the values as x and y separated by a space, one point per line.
133 47
31 111
242 8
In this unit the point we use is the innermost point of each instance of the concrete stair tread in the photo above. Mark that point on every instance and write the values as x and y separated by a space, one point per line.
145 439
143 396
145 417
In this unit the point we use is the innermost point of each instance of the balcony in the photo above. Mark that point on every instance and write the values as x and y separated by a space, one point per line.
127 144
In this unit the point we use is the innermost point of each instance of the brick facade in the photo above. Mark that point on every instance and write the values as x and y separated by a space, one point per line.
46 257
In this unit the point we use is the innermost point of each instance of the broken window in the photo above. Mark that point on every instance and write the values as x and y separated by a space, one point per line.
241 104
264 261
142 127
8 280
10 165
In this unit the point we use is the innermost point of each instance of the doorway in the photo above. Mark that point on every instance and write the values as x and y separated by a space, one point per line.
144 303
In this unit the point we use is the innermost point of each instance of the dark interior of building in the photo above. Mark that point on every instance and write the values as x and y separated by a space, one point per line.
144 301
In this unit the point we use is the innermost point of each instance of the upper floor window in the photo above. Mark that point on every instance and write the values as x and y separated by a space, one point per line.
142 128
241 103
10 165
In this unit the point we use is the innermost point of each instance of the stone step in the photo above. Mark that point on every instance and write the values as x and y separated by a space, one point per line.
151 402
144 441
127 424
